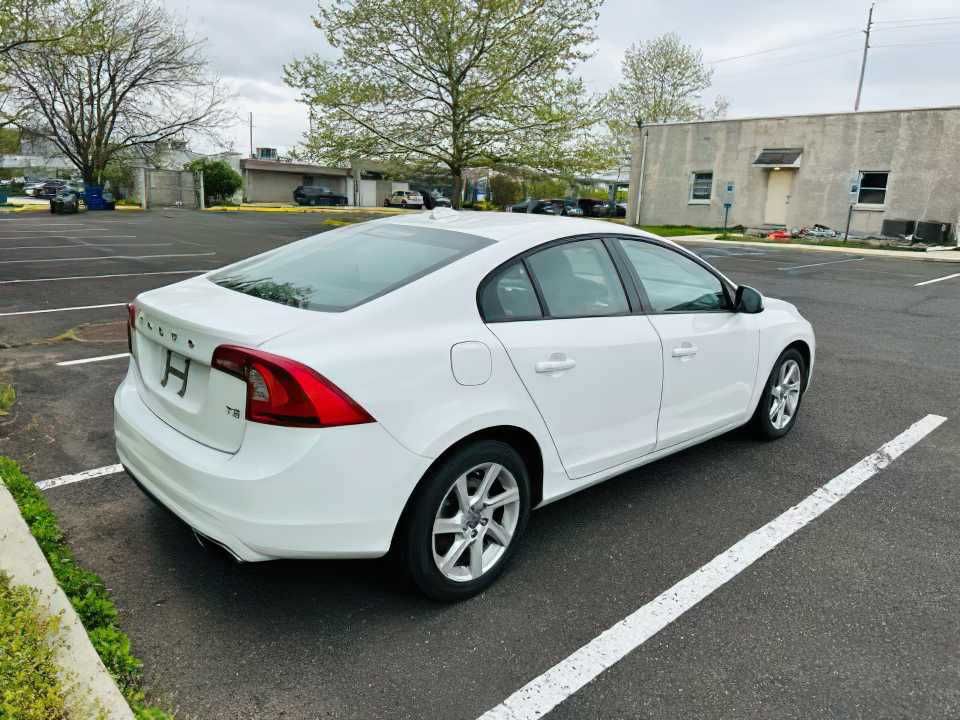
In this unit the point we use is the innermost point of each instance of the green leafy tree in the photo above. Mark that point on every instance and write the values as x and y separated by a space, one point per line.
505 189
220 181
663 80
453 84
123 81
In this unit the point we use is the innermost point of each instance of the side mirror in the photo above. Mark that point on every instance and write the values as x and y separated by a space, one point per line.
748 300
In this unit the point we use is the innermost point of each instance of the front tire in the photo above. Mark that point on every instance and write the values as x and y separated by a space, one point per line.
779 406
464 524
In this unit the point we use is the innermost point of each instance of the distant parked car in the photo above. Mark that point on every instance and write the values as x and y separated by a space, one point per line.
317 195
441 201
602 209
567 206
68 201
536 207
47 190
404 198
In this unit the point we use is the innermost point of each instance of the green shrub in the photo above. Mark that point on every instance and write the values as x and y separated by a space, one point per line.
86 592
7 397
220 181
30 687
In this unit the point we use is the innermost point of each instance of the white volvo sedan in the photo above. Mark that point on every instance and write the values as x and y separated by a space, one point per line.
420 383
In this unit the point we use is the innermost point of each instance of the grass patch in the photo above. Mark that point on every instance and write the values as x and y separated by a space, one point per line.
8 396
679 230
86 592
30 687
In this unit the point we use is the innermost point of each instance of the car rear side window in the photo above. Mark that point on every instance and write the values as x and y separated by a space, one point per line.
509 295
341 269
578 279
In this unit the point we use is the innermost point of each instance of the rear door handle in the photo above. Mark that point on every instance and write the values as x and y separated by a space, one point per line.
556 363
685 350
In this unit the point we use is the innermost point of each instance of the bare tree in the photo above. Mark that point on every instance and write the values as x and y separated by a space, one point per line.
126 80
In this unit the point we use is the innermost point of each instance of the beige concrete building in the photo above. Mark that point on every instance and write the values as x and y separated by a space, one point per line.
800 170
274 181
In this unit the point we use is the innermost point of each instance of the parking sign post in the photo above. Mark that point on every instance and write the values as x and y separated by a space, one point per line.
729 189
852 200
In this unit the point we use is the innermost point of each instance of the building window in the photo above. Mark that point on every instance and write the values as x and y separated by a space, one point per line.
873 188
701 186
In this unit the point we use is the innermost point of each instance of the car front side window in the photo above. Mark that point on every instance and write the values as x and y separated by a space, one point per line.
674 283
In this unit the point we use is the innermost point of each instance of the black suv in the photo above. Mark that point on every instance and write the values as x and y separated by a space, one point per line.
317 195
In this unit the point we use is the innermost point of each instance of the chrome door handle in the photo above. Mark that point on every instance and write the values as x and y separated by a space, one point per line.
685 350
555 364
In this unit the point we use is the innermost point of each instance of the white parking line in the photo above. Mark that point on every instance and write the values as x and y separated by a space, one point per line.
66 309
85 244
542 694
107 257
85 475
101 277
936 280
828 262
84 361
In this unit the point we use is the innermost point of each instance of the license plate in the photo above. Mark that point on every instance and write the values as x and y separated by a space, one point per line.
177 366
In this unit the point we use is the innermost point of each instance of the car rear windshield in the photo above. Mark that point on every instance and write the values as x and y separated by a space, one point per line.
341 269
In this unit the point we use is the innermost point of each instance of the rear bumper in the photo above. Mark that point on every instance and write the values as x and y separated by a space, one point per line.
287 493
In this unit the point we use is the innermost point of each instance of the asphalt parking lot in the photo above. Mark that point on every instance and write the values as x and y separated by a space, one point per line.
855 615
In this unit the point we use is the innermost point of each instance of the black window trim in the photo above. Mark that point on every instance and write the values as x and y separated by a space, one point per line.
637 299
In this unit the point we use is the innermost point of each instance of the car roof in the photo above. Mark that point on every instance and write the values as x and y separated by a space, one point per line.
520 229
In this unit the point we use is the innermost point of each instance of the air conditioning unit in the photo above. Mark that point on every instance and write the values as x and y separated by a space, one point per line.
933 233
898 228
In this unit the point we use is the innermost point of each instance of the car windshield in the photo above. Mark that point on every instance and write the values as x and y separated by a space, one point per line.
339 270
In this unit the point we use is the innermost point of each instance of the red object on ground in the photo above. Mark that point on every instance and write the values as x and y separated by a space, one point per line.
779 235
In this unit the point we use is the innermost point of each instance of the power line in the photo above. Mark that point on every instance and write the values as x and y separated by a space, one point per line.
782 47
917 44
918 19
910 26
789 64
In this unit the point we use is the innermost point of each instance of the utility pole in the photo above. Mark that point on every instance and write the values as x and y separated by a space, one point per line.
863 65
251 128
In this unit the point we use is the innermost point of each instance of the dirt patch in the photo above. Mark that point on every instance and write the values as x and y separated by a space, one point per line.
104 332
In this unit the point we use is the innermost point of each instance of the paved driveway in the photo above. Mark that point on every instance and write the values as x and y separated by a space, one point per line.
854 615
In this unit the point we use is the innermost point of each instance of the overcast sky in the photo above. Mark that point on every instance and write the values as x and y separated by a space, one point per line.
813 69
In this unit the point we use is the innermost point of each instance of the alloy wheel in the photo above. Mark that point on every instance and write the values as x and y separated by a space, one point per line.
476 522
785 394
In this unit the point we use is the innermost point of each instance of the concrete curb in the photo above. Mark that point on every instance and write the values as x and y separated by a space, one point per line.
952 256
305 209
22 559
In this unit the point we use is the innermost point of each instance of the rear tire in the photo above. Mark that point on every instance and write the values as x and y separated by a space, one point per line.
464 524
779 405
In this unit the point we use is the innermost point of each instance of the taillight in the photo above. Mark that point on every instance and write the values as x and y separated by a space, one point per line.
131 325
281 391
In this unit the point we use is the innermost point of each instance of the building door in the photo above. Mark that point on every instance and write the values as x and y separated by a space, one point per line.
368 193
779 185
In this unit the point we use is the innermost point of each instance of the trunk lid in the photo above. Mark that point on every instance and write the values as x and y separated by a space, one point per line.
177 329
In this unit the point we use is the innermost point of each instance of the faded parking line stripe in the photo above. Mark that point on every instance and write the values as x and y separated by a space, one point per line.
101 277
936 280
828 262
545 692
66 309
83 361
85 244
85 475
107 257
